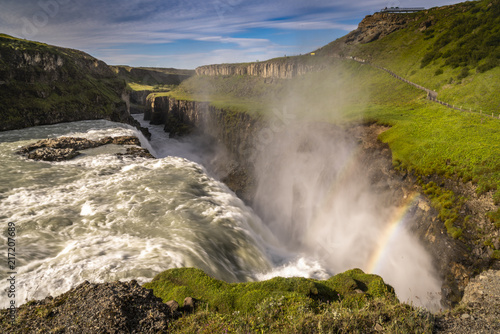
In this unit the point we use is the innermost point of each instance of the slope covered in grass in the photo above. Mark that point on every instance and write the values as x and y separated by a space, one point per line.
43 84
348 302
454 50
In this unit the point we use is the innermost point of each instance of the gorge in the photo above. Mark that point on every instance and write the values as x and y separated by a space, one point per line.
307 166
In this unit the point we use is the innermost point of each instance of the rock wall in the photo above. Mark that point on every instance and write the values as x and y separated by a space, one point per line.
233 129
139 97
280 68
152 76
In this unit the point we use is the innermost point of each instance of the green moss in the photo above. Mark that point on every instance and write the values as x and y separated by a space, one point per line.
355 287
494 218
496 255
448 206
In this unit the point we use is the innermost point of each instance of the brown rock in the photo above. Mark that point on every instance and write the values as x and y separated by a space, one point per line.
173 305
189 304
65 148
118 307
377 26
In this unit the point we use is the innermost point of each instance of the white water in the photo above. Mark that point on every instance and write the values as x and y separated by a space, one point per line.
101 217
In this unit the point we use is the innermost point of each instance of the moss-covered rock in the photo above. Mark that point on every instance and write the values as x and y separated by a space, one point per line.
350 302
353 286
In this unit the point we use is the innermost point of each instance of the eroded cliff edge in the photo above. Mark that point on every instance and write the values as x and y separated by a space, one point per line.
280 68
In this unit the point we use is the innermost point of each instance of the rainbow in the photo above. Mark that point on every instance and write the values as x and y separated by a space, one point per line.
392 229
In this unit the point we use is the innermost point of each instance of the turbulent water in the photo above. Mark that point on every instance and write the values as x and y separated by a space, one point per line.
102 217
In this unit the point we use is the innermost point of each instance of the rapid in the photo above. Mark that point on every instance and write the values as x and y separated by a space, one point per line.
102 217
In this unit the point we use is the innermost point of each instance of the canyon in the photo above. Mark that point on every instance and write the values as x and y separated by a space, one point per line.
241 135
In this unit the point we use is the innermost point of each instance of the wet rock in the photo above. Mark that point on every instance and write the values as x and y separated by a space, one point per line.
118 307
66 148
121 140
137 152
53 154
59 143
189 304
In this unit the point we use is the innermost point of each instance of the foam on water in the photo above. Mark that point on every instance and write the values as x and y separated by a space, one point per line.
101 217
299 267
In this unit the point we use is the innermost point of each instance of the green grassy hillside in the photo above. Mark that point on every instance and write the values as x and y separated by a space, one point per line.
151 78
454 50
43 84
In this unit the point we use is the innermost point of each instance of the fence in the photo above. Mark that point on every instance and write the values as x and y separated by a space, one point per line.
431 95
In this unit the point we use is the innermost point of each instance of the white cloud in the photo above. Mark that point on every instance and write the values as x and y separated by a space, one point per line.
94 24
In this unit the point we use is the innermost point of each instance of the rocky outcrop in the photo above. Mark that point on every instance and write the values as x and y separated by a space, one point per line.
377 26
43 84
281 68
479 311
233 129
117 307
65 148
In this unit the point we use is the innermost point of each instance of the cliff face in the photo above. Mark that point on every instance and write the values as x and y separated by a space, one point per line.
377 26
281 68
138 100
152 76
42 84
233 129
372 27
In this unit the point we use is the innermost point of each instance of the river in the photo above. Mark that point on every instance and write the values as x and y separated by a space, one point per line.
101 217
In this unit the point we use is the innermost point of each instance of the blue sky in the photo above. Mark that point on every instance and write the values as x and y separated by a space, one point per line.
189 33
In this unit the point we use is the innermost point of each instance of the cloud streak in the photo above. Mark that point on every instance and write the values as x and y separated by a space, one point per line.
94 26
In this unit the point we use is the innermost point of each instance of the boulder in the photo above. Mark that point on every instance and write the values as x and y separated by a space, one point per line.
66 148
189 304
